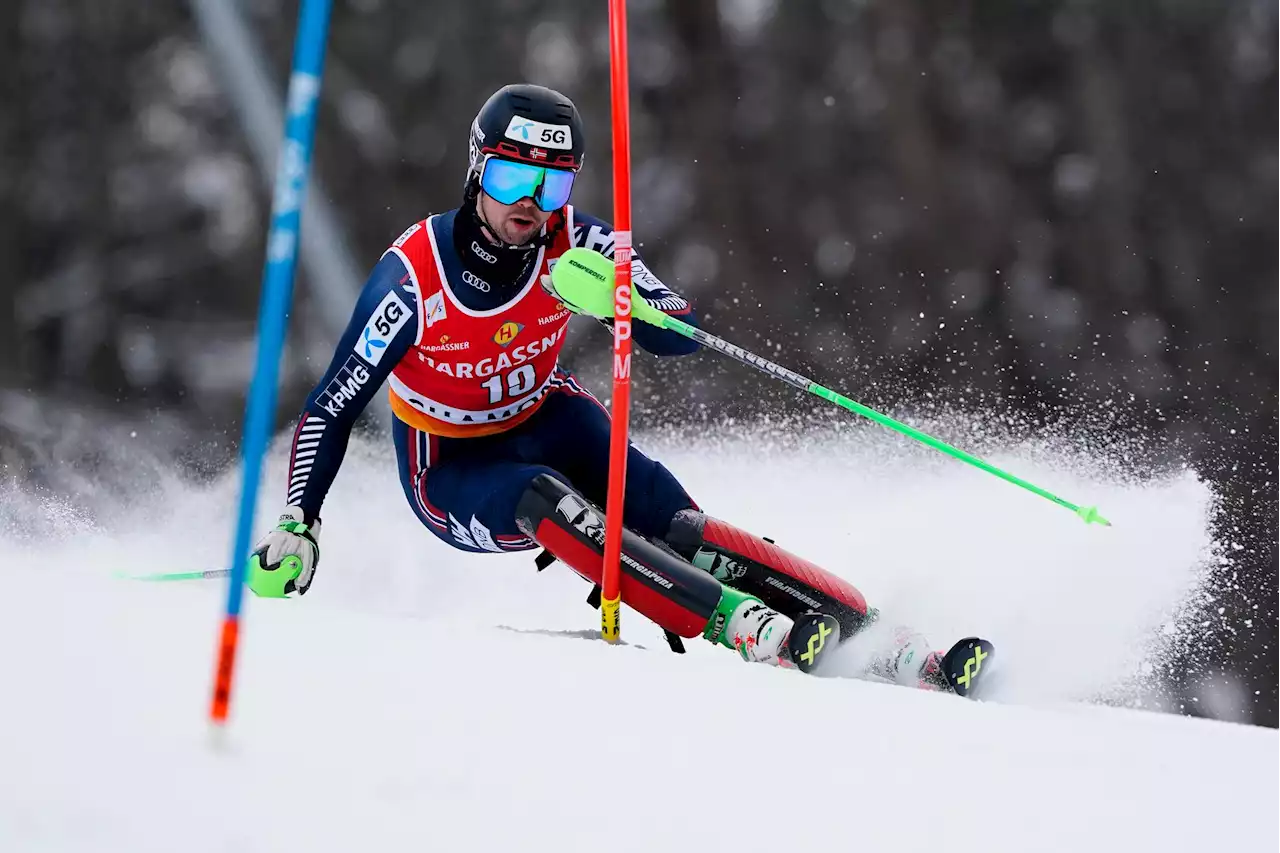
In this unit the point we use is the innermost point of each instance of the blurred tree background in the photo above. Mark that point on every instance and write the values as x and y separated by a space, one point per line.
1058 209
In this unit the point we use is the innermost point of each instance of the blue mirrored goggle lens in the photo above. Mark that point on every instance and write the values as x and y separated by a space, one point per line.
556 186
507 182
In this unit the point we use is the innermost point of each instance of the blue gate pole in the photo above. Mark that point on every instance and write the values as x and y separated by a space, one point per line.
292 166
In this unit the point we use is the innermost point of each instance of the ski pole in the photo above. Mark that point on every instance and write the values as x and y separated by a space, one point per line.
577 277
176 576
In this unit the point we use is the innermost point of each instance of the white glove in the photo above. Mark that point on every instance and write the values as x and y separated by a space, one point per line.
285 560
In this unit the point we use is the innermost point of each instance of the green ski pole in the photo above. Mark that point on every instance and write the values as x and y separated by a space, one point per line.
577 277
176 576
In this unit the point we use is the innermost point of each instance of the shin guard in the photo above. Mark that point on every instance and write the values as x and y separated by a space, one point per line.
789 584
675 595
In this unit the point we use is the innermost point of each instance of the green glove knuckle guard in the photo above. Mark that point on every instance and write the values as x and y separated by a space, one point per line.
270 581
278 580
583 279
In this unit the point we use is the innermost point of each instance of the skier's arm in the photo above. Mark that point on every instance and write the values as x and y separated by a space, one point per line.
655 340
597 234
381 330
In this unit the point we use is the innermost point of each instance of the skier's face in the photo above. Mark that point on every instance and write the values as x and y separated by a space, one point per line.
515 224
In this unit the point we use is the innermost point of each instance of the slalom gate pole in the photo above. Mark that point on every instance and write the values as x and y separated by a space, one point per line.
292 165
610 585
577 276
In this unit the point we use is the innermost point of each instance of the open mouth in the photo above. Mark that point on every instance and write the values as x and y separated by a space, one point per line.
521 221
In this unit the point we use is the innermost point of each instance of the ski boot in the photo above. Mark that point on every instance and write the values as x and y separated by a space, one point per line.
761 634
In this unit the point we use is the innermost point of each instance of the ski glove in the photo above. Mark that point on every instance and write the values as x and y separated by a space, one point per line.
592 290
588 311
284 561
606 319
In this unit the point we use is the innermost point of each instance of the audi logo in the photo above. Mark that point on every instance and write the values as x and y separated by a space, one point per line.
475 281
487 257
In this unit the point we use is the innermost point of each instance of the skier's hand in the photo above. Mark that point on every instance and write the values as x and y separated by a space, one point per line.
284 561
549 286
588 276
586 287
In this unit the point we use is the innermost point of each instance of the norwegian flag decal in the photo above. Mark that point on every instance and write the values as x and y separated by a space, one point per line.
537 154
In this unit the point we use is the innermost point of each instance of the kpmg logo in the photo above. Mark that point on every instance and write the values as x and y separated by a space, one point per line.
387 319
345 386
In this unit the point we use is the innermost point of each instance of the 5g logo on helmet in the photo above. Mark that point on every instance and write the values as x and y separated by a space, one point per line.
551 135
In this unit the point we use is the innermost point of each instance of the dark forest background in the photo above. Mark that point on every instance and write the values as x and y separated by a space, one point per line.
1065 210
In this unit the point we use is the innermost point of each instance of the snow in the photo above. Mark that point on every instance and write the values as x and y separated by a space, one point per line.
419 698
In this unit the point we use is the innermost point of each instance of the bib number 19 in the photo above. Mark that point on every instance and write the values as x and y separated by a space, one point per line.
516 383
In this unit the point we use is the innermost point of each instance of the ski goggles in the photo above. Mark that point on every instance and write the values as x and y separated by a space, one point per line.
507 181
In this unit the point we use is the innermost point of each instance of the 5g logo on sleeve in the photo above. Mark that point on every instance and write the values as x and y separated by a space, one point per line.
389 317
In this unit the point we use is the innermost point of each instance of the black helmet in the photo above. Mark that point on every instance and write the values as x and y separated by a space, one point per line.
532 124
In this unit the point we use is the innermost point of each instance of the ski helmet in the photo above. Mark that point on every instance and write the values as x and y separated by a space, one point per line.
528 124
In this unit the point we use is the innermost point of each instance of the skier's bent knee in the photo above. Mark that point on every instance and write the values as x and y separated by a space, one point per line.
667 589
757 566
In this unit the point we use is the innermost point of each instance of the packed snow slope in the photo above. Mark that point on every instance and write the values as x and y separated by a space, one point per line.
419 698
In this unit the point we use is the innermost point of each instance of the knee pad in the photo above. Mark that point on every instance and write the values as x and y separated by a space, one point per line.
662 586
791 585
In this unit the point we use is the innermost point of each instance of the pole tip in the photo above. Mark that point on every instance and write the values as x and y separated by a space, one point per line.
1090 515
219 739
610 623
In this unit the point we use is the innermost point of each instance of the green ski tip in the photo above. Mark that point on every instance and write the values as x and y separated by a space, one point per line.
1090 515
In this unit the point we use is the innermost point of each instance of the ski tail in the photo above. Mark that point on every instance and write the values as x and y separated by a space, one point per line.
813 638
968 665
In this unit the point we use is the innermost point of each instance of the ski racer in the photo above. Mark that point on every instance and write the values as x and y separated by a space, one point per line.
501 449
